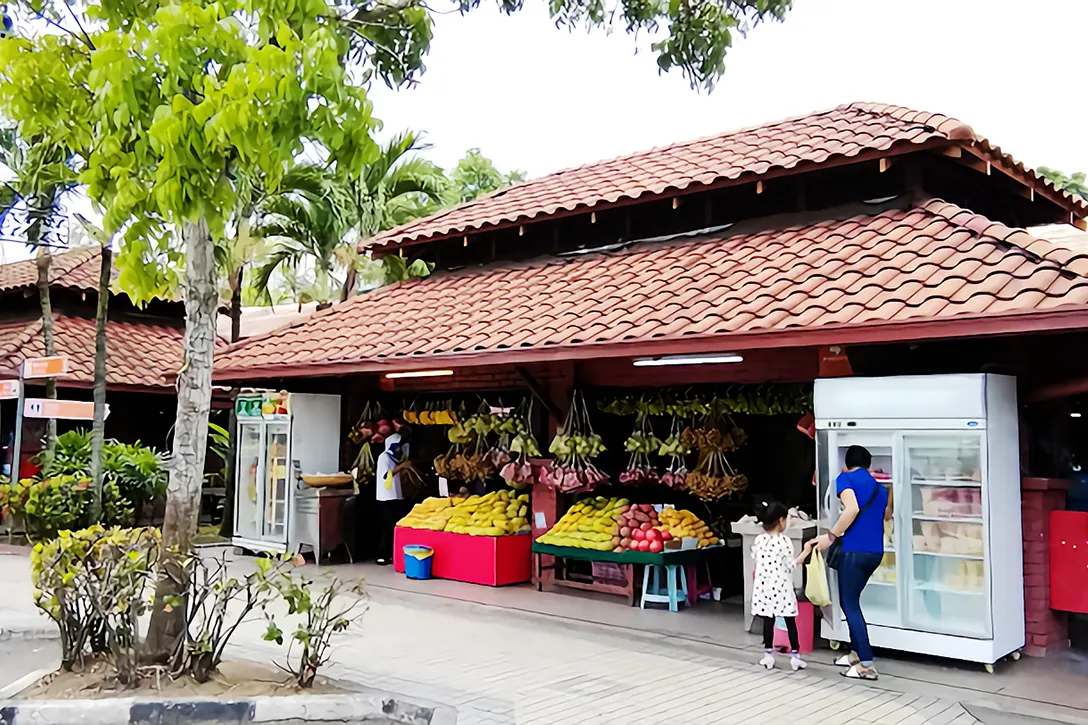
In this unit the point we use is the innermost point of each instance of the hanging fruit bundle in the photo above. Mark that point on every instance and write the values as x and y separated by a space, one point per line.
470 458
676 450
371 427
641 444
714 477
517 441
432 414
574 449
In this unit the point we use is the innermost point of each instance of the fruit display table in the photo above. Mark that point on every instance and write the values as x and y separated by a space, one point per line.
493 561
626 560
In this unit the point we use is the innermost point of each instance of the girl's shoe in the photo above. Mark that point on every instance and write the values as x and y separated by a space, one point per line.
767 661
857 672
847 660
796 663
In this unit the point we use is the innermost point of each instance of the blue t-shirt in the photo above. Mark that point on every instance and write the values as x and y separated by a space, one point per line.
867 531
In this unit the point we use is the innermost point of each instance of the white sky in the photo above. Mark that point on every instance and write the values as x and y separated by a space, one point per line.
538 98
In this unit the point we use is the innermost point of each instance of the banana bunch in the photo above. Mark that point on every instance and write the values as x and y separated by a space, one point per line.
642 443
565 447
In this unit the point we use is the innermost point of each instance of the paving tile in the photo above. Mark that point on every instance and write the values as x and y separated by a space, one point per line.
933 262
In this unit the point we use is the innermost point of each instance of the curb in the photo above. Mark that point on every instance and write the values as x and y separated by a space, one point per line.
179 711
29 633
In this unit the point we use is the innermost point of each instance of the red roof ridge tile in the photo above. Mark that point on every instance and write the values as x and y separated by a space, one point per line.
854 128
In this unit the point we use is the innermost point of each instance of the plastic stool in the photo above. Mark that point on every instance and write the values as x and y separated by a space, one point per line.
695 589
668 594
804 630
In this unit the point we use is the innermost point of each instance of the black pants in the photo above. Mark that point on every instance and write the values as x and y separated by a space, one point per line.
389 513
791 630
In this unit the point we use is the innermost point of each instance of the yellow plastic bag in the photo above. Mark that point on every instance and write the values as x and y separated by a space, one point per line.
816 588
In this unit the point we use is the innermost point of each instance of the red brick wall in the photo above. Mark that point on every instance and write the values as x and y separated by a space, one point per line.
1047 630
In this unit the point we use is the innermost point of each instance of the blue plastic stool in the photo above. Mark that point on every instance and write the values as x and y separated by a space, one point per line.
669 593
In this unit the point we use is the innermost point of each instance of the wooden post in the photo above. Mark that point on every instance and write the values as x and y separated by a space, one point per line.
547 502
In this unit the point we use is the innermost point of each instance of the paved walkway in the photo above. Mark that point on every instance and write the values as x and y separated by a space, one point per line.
498 666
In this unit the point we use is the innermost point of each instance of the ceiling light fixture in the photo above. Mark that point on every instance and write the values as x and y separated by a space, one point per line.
650 362
1074 415
419 374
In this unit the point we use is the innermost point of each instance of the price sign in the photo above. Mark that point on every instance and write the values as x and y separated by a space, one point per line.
9 389
60 409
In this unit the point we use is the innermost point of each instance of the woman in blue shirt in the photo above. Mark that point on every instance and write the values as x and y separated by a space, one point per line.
865 505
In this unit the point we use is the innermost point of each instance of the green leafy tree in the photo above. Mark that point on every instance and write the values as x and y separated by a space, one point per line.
305 224
475 175
1076 184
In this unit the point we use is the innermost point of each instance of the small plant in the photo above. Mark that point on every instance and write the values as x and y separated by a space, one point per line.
322 614
51 505
93 584
216 604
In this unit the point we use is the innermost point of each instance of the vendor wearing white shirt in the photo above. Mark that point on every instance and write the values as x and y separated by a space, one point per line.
389 495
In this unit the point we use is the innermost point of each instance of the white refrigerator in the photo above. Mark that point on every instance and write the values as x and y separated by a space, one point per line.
279 437
947 447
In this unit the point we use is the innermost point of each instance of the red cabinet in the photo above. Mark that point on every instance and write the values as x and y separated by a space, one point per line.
1069 561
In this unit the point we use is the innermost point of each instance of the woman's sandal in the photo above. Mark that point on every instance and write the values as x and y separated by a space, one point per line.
857 672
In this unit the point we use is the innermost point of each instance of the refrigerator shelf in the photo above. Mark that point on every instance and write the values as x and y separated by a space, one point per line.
941 554
947 519
946 484
948 590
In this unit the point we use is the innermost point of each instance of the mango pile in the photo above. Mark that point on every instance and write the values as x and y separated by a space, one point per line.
683 524
499 513
592 523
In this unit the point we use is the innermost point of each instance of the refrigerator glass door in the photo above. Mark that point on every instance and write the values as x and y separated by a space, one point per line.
277 478
881 598
948 591
250 472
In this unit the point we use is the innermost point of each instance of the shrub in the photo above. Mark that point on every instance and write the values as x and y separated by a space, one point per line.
216 604
50 505
93 584
323 614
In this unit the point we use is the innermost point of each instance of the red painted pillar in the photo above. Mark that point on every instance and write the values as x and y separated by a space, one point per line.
1047 630
547 502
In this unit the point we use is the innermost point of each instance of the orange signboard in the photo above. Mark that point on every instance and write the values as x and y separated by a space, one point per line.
60 409
45 367
9 389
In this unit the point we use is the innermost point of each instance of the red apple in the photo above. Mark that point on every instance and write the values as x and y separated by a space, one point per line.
656 546
653 535
666 536
646 526
638 534
644 545
625 532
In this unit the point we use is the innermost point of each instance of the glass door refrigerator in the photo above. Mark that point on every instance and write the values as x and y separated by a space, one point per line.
947 447
279 437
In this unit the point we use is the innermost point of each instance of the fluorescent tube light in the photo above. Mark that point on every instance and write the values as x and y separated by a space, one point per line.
419 374
1074 415
649 362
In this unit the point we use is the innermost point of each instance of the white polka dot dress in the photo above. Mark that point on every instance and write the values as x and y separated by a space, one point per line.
772 590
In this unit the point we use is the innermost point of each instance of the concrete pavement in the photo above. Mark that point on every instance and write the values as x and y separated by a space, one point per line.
499 665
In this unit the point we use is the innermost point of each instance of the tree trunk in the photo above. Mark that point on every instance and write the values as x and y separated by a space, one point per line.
98 430
226 526
44 260
349 283
194 386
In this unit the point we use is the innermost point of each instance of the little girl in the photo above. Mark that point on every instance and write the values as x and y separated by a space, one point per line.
772 591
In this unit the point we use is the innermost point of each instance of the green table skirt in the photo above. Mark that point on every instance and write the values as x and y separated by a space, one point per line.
664 558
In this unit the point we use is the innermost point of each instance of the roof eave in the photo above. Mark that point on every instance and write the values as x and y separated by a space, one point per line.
910 331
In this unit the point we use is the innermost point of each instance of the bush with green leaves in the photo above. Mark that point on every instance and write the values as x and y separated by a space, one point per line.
321 612
95 583
47 506
133 474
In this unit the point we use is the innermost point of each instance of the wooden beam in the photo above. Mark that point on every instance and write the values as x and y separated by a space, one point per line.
1081 224
1057 391
952 152
541 393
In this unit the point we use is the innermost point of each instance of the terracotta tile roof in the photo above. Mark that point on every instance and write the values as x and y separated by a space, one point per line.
895 271
76 269
818 138
140 354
